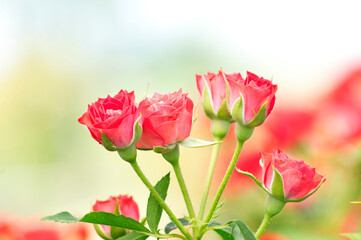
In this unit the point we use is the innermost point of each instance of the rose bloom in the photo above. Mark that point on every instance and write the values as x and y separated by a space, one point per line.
254 92
126 206
167 119
113 116
299 179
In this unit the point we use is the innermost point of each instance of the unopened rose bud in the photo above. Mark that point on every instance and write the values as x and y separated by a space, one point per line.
121 204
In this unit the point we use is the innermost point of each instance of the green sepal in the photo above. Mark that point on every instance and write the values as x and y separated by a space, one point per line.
117 232
237 111
277 188
207 101
154 210
308 195
137 131
223 111
162 150
100 232
254 179
259 117
171 226
196 143
108 145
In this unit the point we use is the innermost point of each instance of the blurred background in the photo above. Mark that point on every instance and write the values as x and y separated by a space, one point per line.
58 56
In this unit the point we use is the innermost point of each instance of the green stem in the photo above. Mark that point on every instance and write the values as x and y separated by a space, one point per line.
160 200
224 182
184 190
264 224
207 185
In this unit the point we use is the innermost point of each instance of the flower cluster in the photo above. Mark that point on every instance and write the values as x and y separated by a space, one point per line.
162 123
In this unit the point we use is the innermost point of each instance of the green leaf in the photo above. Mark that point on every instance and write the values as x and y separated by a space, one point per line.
62 217
352 236
171 226
195 143
110 219
238 230
154 210
103 218
133 236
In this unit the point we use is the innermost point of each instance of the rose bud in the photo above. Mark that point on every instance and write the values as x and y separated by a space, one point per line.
254 102
114 121
285 180
120 205
216 91
167 119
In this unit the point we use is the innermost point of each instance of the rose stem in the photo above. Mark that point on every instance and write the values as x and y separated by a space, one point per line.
184 190
159 199
207 185
262 227
224 182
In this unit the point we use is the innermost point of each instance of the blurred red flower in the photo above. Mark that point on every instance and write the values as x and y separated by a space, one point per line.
272 236
288 126
339 116
20 229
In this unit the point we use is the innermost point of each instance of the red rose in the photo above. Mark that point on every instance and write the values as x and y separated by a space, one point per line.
126 206
255 102
213 89
115 117
298 179
167 119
